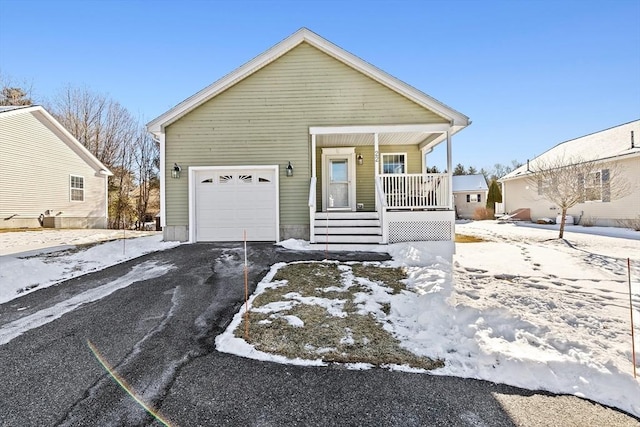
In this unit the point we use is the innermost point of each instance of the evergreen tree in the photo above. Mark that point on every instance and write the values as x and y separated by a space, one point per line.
495 195
459 170
432 169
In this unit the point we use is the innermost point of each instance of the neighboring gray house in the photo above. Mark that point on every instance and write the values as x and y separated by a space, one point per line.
469 193
618 145
47 178
306 141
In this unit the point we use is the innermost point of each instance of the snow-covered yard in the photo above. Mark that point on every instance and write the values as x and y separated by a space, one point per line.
521 308
32 260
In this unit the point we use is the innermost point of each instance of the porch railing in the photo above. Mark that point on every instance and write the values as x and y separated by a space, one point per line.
417 191
312 206
381 202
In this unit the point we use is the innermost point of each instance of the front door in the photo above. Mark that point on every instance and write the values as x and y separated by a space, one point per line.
339 183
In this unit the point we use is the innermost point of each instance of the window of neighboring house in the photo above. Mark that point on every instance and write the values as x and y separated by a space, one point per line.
473 198
77 188
543 186
394 163
593 187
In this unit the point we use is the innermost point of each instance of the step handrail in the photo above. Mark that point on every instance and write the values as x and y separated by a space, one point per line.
382 203
312 208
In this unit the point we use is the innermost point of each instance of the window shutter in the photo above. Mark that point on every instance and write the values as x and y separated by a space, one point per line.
606 188
581 189
479 195
468 198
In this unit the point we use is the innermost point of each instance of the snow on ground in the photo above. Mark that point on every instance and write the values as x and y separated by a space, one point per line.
522 308
146 270
33 260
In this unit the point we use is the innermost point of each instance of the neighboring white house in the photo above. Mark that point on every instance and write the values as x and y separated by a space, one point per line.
618 145
47 178
469 193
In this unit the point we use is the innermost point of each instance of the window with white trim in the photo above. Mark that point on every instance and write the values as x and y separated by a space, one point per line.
394 163
76 185
593 187
474 198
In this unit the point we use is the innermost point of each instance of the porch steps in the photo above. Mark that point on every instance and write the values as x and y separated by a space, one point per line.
347 227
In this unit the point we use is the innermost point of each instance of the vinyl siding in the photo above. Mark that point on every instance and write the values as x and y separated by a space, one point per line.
35 169
265 120
521 194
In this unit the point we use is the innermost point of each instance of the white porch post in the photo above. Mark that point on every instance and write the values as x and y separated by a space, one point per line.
313 155
376 164
312 188
449 170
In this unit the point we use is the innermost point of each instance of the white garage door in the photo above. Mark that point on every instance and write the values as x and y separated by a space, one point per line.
230 201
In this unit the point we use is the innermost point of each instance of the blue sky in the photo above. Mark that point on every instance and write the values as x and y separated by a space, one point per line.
529 74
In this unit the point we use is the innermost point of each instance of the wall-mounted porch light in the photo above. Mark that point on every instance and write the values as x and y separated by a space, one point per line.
360 159
289 170
175 172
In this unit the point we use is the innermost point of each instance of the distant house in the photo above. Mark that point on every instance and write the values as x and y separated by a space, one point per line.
47 178
469 193
306 141
619 145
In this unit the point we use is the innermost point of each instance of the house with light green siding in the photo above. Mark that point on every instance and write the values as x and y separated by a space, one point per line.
616 149
306 141
47 177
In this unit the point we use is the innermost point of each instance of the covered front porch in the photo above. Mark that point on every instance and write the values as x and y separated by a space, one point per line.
370 184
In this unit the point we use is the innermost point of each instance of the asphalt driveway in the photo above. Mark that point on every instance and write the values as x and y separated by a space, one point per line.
159 336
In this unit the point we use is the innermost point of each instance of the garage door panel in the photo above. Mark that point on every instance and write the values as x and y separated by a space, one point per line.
228 202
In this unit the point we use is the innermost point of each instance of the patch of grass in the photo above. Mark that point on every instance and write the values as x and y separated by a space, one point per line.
15 230
352 338
389 276
463 238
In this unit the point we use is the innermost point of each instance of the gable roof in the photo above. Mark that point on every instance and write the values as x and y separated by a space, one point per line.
612 143
304 35
43 116
469 183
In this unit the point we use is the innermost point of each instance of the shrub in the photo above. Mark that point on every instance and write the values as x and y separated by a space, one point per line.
633 223
481 213
588 221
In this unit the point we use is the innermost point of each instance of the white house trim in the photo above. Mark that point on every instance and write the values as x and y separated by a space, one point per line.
415 128
455 118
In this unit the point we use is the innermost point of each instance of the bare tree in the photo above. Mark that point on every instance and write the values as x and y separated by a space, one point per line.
146 154
500 170
110 133
13 93
569 181
101 124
